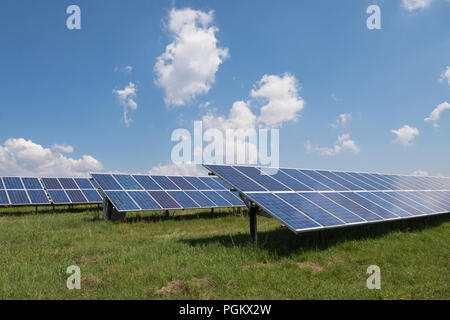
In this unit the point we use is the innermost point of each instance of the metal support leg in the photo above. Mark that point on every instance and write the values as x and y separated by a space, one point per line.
253 226
36 209
107 209
212 210
166 214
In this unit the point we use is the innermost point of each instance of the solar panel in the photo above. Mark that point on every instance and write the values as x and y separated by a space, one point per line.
68 190
305 199
150 192
22 191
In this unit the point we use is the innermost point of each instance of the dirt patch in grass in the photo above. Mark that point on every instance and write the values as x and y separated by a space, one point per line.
315 268
334 261
203 281
88 277
173 287
93 259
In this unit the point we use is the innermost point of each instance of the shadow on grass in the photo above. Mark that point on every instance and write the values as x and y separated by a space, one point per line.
184 215
283 242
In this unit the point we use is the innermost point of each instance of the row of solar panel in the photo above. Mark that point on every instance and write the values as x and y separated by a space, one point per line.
252 179
304 211
119 182
125 201
19 183
26 191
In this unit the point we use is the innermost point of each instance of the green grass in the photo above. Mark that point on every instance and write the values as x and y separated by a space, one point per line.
194 255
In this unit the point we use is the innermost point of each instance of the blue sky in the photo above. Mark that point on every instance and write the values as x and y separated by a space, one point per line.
61 87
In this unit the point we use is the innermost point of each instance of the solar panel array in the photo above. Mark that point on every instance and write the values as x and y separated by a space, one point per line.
22 191
146 193
72 190
307 200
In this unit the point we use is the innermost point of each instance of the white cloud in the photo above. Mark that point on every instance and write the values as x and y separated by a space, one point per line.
128 68
179 169
283 102
335 98
26 158
343 143
412 5
343 120
62 148
126 98
188 66
436 113
405 135
445 75
420 173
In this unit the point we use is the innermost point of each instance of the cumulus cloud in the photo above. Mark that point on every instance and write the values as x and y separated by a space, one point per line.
128 68
126 98
412 5
26 158
343 143
62 148
283 102
420 173
188 66
445 75
436 113
405 135
179 169
343 120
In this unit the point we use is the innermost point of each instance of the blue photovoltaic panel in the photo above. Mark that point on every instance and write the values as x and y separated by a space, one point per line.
38 197
263 179
422 200
106 181
362 184
32 183
84 183
352 206
183 199
1 183
421 208
283 211
182 183
231 198
223 183
217 199
76 196
442 200
196 182
3 198
202 200
372 182
290 182
68 183
388 197
94 184
164 200
165 183
311 210
147 182
339 179
58 196
213 183
385 204
18 197
144 200
127 182
324 180
92 195
51 183
380 211
306 180
331 206
121 201
12 183
235 178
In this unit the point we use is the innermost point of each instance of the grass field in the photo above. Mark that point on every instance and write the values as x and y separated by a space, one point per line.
195 255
